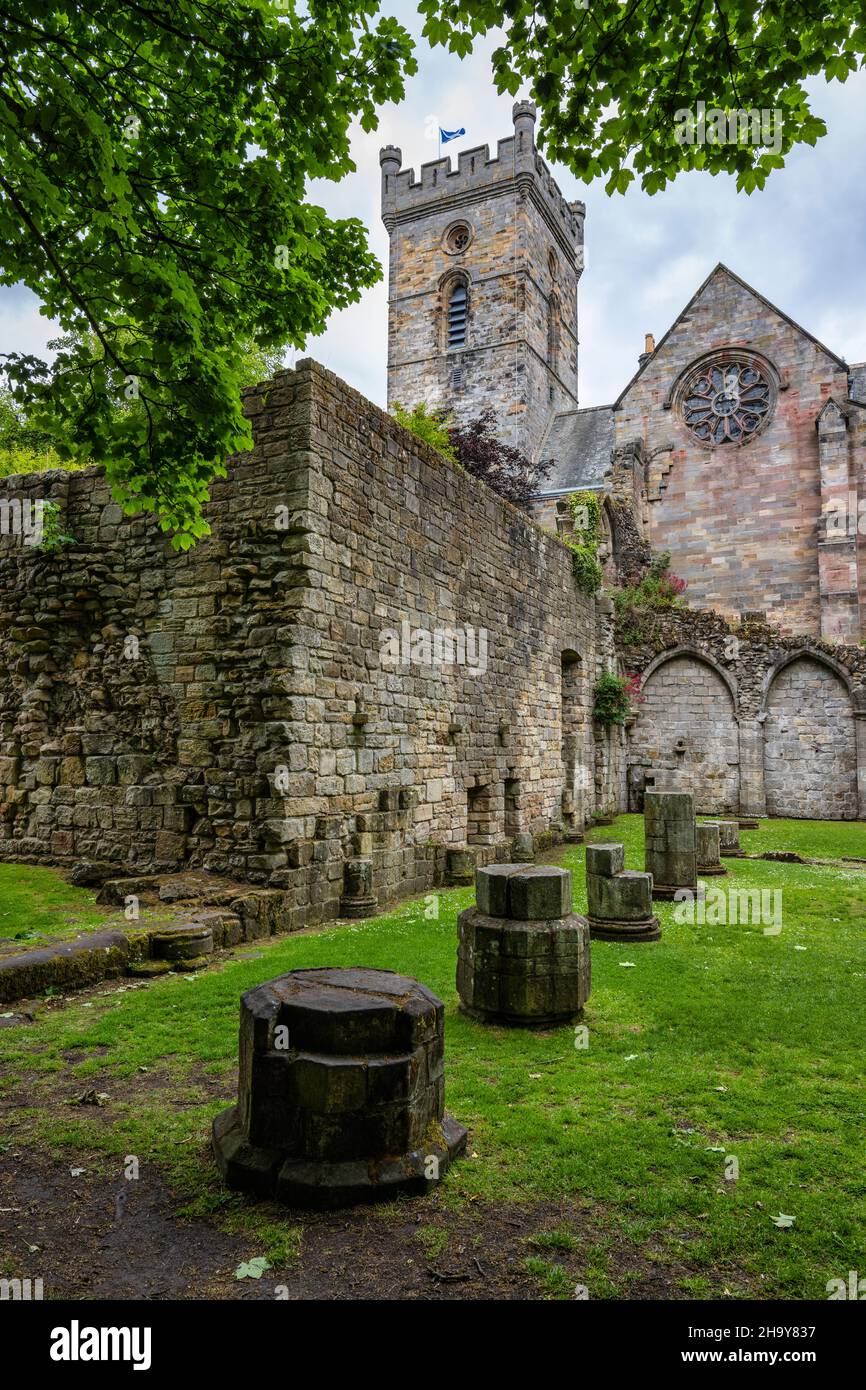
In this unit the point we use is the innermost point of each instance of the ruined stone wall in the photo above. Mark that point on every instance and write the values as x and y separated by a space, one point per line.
136 683
229 708
686 735
748 719
471 754
809 743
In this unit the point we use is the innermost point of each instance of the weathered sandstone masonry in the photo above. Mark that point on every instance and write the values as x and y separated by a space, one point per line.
372 657
749 721
498 230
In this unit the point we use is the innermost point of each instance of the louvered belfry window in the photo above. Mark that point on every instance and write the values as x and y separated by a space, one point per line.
457 306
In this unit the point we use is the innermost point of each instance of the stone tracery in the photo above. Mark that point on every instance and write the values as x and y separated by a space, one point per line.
726 402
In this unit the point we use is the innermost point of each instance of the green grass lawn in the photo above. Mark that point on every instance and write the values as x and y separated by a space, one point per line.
37 902
717 1050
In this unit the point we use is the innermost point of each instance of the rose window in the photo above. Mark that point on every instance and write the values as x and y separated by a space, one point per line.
458 238
726 403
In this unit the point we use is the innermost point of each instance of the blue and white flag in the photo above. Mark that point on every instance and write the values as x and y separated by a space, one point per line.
446 135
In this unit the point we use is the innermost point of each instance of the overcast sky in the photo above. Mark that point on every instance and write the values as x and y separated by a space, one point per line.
800 242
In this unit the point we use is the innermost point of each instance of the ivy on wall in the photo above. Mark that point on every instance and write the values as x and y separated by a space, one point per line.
584 542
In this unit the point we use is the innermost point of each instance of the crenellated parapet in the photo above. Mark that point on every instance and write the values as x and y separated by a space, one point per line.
478 174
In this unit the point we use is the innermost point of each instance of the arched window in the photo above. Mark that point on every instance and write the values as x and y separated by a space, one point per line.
458 304
553 333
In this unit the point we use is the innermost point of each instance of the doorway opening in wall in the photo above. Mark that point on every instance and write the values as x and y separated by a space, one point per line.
480 829
572 790
512 808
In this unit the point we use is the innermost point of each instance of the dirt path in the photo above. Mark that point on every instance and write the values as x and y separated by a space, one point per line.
98 1238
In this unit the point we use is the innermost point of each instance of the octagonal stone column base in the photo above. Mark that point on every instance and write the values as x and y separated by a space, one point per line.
523 957
608 930
340 1090
263 1172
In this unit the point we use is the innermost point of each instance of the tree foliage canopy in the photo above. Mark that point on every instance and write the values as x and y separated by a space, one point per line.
153 163
154 159
610 76
502 466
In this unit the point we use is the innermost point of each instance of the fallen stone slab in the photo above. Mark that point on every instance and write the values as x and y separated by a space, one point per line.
782 856
16 1020
150 969
66 965
92 873
115 891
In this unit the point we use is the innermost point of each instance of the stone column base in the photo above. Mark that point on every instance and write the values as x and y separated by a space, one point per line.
648 930
248 1168
668 891
340 1090
459 867
359 907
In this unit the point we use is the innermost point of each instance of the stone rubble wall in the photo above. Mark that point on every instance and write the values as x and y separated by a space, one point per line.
407 538
227 708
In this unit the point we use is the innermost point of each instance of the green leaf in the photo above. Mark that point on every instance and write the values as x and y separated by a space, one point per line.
252 1269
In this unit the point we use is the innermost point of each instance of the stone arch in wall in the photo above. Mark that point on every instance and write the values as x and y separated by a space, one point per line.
608 548
574 777
686 736
810 750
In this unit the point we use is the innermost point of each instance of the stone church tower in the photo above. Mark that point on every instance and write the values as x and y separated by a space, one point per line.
482 301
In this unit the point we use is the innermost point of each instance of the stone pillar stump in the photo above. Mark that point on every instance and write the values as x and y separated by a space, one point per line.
358 898
340 1090
523 848
708 846
669 826
523 956
729 839
620 903
460 866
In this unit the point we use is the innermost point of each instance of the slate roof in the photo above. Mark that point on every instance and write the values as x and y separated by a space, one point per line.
580 443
